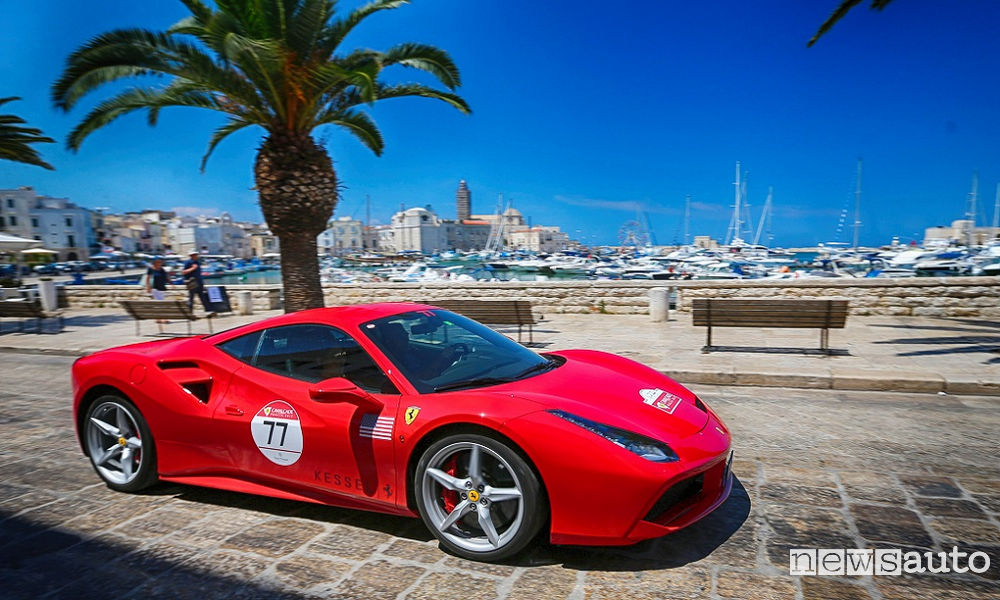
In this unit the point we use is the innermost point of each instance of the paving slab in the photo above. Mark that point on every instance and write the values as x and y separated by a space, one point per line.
815 469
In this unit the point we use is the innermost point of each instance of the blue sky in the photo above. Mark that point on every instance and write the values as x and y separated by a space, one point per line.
584 110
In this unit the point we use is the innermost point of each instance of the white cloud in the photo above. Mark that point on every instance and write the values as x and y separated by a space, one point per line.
195 211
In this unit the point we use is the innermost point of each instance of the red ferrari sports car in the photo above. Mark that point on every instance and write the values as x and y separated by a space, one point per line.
410 410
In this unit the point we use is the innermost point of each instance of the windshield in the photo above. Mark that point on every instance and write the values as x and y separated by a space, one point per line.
437 351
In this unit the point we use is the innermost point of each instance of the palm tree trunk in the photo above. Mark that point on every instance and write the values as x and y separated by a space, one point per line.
297 188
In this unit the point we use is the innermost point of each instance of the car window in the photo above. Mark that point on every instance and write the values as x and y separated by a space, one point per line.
242 348
438 350
313 353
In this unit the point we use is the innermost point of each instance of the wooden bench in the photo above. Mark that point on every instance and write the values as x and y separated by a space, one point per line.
495 312
766 312
28 309
160 309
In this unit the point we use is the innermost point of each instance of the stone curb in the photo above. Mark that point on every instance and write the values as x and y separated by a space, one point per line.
854 380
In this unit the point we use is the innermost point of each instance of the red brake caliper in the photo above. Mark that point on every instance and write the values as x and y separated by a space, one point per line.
450 497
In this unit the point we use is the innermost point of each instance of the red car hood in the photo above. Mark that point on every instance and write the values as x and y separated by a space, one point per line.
616 391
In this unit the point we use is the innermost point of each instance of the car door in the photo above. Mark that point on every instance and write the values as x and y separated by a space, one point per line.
279 436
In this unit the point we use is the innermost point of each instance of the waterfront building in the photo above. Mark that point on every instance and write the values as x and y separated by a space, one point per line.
961 232
209 235
705 241
341 236
262 243
539 239
59 224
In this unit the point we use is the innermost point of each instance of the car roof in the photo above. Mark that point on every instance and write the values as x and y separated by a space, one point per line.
342 316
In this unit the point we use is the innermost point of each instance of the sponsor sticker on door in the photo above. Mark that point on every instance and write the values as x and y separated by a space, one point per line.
277 431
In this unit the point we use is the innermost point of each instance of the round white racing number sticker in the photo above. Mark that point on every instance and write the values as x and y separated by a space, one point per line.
278 433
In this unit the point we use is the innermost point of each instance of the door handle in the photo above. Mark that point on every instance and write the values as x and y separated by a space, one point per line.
234 410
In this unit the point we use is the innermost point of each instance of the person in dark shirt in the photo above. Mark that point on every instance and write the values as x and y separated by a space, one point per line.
156 281
195 284
156 285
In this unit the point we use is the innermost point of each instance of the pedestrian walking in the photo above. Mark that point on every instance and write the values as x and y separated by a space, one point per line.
195 283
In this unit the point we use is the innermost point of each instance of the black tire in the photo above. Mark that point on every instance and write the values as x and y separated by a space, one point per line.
516 521
136 470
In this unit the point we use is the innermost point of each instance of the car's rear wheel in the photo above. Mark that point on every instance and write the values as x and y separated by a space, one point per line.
120 445
479 497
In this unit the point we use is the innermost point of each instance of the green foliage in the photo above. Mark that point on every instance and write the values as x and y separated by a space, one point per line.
16 140
276 64
842 11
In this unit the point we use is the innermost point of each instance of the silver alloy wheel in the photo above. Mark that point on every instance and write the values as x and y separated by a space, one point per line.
114 443
489 507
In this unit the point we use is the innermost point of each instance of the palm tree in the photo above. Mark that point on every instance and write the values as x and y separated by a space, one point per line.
839 14
274 64
15 140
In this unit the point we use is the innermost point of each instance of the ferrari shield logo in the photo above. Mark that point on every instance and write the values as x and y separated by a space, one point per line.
411 414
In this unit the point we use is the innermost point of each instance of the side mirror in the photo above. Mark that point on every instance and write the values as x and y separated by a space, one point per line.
339 389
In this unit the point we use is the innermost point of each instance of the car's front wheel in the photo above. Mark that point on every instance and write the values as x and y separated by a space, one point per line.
120 445
479 497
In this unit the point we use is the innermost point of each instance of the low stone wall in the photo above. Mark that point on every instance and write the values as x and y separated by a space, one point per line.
939 297
265 297
914 296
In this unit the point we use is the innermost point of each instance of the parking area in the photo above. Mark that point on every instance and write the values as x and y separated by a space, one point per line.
816 469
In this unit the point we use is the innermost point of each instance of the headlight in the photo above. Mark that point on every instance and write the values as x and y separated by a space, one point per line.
645 447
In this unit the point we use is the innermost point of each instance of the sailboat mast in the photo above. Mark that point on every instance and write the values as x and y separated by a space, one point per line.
764 216
736 222
996 213
857 207
687 214
970 216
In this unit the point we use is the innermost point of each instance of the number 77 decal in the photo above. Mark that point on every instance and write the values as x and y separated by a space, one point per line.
277 432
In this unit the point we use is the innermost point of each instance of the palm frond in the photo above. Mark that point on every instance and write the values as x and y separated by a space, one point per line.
359 124
15 140
132 100
840 12
425 58
335 34
222 133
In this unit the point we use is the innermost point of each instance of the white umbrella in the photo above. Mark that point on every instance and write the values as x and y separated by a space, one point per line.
38 251
13 243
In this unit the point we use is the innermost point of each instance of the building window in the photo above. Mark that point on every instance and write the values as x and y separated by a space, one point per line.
69 221
13 219
38 237
3 222
70 242
10 203
34 222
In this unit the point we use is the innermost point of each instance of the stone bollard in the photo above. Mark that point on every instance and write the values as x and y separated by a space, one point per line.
47 294
659 305
244 302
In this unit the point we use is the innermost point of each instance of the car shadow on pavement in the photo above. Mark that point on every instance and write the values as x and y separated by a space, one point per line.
688 545
404 527
36 560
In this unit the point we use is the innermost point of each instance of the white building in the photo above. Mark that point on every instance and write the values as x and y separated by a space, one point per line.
418 230
208 235
341 236
539 239
56 222
961 232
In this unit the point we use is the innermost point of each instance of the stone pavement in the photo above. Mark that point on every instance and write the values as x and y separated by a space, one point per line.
914 354
815 469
